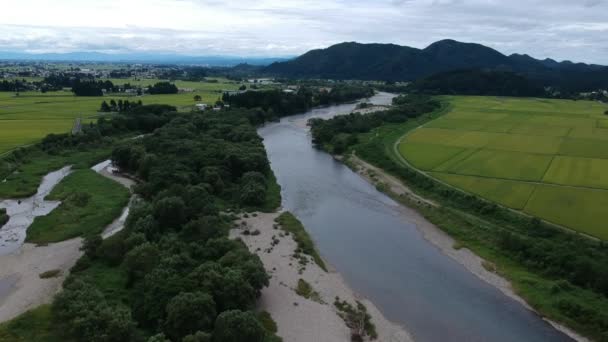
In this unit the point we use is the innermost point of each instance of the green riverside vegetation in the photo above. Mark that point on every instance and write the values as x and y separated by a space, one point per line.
24 168
3 217
291 224
89 202
560 274
172 273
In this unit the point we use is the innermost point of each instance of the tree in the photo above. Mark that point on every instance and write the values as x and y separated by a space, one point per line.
170 211
253 188
197 98
189 312
141 260
243 87
238 326
86 315
105 107
163 88
199 336
113 105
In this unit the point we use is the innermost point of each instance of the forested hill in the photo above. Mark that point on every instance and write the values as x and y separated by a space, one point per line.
477 82
391 62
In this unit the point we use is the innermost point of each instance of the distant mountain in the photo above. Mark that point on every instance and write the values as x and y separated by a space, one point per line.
140 58
391 62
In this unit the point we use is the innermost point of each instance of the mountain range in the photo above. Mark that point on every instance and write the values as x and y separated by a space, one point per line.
390 62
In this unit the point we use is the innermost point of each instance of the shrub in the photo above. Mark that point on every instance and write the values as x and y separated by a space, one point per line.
50 274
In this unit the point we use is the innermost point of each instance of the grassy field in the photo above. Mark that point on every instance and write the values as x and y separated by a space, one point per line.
548 158
27 118
89 202
34 325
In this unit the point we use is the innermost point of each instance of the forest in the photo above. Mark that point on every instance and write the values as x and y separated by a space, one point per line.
477 82
340 132
172 274
276 103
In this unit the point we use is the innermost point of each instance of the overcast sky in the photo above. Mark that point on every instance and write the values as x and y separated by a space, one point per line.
562 29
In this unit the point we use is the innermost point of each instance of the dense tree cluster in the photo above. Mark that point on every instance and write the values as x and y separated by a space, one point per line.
91 87
184 279
277 103
163 88
119 106
340 132
15 85
477 82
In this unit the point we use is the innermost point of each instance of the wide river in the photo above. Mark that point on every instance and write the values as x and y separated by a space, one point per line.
363 235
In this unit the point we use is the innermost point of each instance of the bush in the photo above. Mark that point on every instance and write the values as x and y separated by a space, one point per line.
238 326
50 274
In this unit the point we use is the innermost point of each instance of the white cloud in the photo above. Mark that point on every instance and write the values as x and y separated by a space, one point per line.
561 29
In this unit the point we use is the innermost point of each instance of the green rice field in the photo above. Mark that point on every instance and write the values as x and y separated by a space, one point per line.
547 158
27 118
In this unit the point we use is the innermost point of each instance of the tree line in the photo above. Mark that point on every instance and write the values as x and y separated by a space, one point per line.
119 106
340 132
276 103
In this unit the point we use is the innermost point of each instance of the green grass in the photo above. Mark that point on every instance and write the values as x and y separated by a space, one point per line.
580 172
89 203
291 224
33 326
427 156
581 209
511 194
306 290
508 145
23 179
503 164
27 118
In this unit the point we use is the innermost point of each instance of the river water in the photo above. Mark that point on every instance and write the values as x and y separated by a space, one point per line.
363 235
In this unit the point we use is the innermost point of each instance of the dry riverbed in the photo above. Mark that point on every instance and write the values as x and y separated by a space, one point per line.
472 262
300 319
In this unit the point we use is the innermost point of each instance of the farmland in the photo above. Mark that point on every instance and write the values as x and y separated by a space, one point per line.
547 158
27 118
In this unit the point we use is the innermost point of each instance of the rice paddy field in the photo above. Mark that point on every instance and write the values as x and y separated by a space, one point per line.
27 118
547 158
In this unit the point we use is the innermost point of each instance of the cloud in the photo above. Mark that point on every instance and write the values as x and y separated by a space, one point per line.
561 29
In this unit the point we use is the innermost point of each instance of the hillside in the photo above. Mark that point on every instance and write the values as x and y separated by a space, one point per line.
391 62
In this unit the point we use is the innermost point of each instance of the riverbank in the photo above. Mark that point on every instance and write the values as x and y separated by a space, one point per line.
301 319
439 238
23 282
21 274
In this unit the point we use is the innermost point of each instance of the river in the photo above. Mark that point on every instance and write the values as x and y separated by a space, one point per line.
361 232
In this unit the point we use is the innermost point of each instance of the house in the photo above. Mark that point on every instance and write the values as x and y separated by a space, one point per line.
201 106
